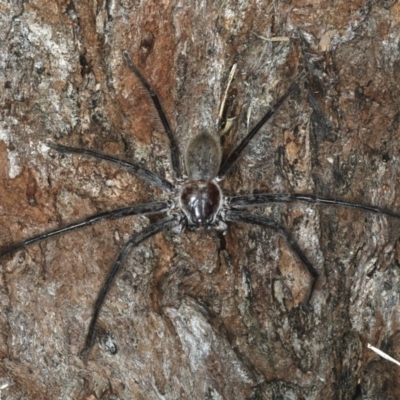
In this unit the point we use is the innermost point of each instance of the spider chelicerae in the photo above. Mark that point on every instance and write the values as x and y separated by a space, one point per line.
197 201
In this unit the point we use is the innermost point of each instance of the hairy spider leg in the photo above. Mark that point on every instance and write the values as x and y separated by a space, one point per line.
172 142
231 160
150 208
260 199
141 172
240 216
155 207
135 239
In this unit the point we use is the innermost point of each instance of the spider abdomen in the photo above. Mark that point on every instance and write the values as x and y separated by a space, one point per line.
200 201
203 157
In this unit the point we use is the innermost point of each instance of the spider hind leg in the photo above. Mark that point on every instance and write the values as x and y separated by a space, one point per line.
135 239
240 216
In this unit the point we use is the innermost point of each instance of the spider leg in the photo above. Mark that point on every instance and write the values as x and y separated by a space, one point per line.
265 198
135 239
139 209
231 160
173 145
142 172
239 216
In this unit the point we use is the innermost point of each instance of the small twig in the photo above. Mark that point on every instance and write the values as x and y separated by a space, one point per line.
230 78
273 39
383 355
3 386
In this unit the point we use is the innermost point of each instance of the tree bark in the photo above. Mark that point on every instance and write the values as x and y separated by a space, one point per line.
199 315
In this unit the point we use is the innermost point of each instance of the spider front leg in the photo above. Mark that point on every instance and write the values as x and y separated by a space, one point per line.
240 216
139 171
233 157
156 101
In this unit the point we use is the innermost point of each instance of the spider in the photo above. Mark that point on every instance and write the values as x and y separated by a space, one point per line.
197 201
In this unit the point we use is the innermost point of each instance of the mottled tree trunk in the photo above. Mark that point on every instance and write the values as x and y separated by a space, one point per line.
199 315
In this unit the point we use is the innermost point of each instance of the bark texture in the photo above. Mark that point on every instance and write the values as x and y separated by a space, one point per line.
198 315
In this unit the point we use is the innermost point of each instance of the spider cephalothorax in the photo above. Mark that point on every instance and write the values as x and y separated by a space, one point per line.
196 202
201 202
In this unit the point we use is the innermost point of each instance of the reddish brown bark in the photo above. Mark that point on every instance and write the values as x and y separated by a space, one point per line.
195 315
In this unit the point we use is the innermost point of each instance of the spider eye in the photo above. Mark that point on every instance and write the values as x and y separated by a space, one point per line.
199 222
